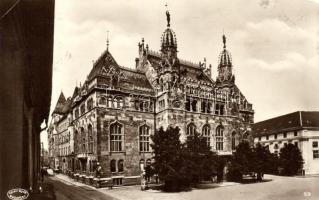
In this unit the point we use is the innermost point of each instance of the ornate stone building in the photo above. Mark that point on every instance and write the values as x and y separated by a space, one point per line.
117 108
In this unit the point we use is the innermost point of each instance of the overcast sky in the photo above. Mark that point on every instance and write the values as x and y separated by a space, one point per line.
274 43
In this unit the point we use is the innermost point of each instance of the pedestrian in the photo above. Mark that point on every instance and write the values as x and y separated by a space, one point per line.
98 170
42 174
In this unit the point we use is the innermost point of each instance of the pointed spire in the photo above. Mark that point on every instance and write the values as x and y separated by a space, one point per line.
107 41
224 41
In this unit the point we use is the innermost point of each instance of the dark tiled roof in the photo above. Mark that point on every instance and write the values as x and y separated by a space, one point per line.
310 119
191 70
292 121
127 75
59 105
106 59
135 78
75 92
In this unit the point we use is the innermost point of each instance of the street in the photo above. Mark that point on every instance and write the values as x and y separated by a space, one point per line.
279 188
68 191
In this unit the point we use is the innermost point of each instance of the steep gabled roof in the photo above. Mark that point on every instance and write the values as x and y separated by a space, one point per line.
128 78
106 59
60 104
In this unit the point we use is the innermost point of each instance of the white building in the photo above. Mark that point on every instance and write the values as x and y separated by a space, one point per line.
300 128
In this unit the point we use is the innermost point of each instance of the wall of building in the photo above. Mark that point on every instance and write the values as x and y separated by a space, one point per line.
303 138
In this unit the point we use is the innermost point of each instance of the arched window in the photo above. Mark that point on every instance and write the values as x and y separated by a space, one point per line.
144 136
206 134
120 165
116 137
233 140
219 138
102 101
90 138
113 166
82 108
83 138
191 129
89 104
120 102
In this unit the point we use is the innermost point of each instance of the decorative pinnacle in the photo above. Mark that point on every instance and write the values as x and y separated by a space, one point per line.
224 41
107 41
168 16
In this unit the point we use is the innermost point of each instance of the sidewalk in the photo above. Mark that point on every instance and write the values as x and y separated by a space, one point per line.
69 181
135 193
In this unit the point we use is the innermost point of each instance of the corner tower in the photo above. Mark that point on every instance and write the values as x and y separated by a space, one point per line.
168 72
225 74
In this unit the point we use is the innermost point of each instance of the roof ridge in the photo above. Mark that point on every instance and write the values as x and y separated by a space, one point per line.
182 61
131 69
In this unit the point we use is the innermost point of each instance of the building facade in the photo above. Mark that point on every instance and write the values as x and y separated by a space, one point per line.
300 128
116 110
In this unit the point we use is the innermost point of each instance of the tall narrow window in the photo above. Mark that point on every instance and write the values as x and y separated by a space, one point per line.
120 165
191 129
217 109
116 137
206 134
109 102
89 104
120 102
233 140
203 106
219 138
144 136
90 138
113 166
194 105
82 109
83 138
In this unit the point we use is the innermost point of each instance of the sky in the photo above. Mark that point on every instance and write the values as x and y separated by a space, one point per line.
274 43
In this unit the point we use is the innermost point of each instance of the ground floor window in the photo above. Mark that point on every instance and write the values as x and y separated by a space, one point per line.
315 154
120 165
113 165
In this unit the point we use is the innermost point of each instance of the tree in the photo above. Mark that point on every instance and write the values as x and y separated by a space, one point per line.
241 162
169 161
290 159
262 160
200 161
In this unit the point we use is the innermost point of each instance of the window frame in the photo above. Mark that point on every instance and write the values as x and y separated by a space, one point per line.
220 138
144 138
191 130
206 133
117 137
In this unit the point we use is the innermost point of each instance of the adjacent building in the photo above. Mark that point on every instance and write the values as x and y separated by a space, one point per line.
114 112
26 56
300 128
